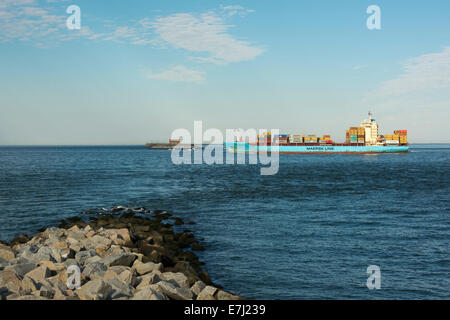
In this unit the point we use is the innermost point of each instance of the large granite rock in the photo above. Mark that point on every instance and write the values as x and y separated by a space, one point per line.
148 267
120 289
174 292
95 270
94 290
122 259
148 294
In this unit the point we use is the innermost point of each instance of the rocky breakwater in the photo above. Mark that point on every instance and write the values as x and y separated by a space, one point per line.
118 258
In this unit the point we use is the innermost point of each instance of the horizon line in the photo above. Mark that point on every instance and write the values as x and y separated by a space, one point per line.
133 145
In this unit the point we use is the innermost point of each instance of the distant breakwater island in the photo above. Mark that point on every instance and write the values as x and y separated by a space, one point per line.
121 254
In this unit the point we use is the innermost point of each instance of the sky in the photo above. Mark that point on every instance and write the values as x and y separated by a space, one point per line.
137 70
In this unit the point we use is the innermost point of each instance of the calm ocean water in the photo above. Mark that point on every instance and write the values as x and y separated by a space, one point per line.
309 232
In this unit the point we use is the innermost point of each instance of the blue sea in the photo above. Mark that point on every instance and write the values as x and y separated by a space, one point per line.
308 232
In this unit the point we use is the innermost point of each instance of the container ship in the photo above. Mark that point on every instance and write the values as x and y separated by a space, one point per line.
360 140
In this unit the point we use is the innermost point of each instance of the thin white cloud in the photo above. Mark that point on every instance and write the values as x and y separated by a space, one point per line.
179 74
24 21
205 37
206 34
11 3
235 9
421 91
423 73
134 35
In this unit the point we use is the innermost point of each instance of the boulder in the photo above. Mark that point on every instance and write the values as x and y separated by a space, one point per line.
122 259
82 256
148 279
204 276
39 273
129 277
148 294
20 260
95 270
222 295
99 241
52 266
54 233
198 287
27 251
120 289
72 241
144 268
62 253
19 240
10 280
122 273
185 239
76 233
3 264
29 285
155 237
123 237
207 293
73 229
90 233
46 254
175 293
94 290
56 243
178 279
74 245
101 250
93 259
6 253
46 292
158 254
5 294
186 268
22 269
60 289
113 249
71 262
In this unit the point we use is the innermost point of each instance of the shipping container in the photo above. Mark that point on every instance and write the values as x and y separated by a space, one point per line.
391 142
401 132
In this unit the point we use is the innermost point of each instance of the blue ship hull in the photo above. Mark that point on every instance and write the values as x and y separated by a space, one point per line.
239 147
